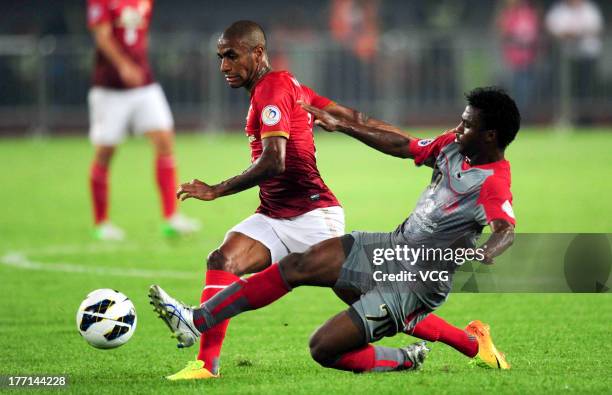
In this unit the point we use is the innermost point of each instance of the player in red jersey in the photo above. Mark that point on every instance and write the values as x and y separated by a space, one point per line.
125 96
297 209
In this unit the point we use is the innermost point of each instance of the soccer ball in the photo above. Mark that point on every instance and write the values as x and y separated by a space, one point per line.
106 318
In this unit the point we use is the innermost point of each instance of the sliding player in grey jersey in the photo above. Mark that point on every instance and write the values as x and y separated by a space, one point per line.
389 289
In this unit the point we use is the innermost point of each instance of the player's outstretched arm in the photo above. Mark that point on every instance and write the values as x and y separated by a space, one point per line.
271 163
374 133
350 114
502 237
129 71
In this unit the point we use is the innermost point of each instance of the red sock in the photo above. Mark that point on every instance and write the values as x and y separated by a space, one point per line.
166 182
434 328
263 288
373 358
252 293
211 342
360 360
98 184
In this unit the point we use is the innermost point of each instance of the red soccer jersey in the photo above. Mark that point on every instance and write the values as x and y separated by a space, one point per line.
495 195
130 23
274 111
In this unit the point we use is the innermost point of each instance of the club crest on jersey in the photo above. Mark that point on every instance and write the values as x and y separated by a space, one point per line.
95 12
425 142
270 115
131 18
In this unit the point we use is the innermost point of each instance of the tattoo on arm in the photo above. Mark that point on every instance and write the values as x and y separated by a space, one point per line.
270 164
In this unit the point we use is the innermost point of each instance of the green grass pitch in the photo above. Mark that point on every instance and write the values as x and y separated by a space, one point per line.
557 343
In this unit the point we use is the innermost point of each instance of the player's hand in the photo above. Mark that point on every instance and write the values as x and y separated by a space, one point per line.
487 260
322 118
131 74
196 189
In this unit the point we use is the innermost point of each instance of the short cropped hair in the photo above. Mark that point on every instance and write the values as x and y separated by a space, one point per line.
249 32
498 112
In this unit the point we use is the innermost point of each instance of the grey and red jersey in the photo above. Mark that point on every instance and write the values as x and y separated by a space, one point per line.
460 200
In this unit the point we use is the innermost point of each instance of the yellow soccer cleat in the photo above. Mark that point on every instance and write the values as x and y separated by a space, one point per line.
487 353
194 370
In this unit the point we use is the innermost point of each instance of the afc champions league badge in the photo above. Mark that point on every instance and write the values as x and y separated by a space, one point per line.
270 115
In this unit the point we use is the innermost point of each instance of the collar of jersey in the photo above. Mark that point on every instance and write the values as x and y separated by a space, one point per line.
263 78
493 165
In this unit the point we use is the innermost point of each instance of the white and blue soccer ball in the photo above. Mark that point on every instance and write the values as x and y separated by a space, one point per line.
106 318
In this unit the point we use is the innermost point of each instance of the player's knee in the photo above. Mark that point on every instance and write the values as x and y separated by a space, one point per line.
295 262
218 261
294 268
164 147
320 352
103 156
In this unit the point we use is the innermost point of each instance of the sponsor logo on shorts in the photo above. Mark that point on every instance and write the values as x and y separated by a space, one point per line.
425 142
383 325
270 115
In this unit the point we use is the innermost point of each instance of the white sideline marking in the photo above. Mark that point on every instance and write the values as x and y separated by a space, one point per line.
94 248
21 261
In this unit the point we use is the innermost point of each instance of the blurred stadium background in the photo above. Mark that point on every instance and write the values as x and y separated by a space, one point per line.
407 62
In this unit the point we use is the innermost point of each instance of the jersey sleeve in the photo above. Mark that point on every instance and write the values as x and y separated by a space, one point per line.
274 103
97 12
316 100
425 151
496 200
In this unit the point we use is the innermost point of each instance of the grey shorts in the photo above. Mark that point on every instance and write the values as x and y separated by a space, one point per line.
384 308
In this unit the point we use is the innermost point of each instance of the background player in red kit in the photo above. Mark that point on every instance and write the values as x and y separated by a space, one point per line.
125 96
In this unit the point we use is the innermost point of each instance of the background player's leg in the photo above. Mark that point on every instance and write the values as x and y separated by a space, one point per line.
165 174
434 328
238 255
98 182
109 114
341 344
165 169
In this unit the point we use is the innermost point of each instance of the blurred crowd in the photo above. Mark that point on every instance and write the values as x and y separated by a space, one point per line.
526 33
537 45
575 25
